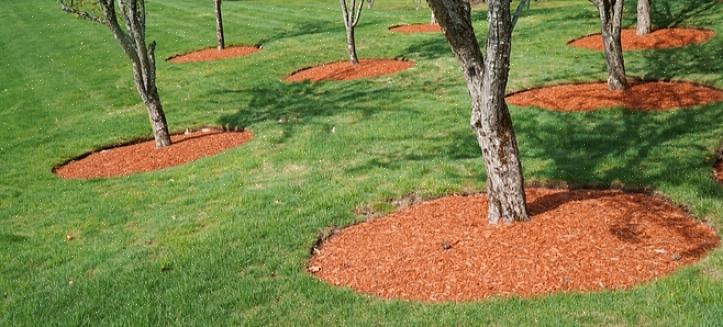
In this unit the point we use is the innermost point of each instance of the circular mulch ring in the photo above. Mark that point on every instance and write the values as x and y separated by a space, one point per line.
416 28
345 71
641 96
211 54
141 157
658 39
577 240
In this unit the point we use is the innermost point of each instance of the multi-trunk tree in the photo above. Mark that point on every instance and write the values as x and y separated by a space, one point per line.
643 25
486 77
132 40
611 16
351 14
220 43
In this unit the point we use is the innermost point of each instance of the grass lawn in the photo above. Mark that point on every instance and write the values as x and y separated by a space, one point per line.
224 240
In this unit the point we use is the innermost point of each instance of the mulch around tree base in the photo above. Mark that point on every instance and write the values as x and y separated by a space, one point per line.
576 241
641 96
344 70
416 28
142 157
658 39
211 54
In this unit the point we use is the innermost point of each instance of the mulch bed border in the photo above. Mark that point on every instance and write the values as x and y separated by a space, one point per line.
630 79
401 202
568 43
142 139
258 47
284 79
408 24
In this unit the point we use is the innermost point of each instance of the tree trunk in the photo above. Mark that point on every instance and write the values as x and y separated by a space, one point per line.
642 26
158 121
486 79
220 43
370 4
351 46
434 19
611 15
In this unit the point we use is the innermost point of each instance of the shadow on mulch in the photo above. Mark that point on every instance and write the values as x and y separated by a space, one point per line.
659 39
345 71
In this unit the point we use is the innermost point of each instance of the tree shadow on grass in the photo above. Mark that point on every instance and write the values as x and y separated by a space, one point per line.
667 13
294 104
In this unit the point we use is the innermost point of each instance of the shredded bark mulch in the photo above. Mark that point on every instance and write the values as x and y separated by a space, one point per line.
658 39
344 70
416 28
141 157
577 241
641 96
211 54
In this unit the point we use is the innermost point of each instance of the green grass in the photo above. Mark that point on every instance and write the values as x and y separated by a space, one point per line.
224 240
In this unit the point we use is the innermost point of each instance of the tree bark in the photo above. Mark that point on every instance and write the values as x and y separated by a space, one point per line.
220 43
611 15
434 19
351 15
643 25
486 79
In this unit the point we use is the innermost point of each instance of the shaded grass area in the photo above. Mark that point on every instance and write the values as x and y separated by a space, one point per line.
224 240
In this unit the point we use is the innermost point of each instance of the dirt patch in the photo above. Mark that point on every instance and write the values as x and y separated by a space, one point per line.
577 240
344 70
641 96
658 39
211 54
141 157
416 28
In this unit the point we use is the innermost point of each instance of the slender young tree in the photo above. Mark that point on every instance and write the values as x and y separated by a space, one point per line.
220 43
370 4
611 16
486 78
132 40
350 14
643 26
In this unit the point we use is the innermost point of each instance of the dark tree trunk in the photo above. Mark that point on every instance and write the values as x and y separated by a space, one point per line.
486 79
220 43
351 15
642 26
351 46
611 16
143 58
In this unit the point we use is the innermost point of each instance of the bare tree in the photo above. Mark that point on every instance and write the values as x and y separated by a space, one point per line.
220 43
132 40
417 4
643 25
351 14
486 78
611 16
370 4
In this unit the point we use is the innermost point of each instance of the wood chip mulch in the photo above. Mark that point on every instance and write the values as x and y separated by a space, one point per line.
211 54
577 241
416 28
642 96
143 157
344 70
658 39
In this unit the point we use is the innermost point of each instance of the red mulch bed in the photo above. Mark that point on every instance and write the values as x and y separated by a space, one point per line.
142 157
416 28
577 241
211 54
344 70
659 39
642 96
718 171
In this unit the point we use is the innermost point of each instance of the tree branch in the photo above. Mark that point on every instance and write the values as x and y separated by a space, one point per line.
70 8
